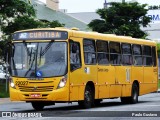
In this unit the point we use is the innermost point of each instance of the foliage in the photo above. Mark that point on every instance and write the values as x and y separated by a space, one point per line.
158 48
122 19
15 8
19 15
3 92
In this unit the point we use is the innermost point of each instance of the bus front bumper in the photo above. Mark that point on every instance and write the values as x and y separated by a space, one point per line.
59 95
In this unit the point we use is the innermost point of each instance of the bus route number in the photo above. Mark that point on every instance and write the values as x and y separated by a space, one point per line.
21 83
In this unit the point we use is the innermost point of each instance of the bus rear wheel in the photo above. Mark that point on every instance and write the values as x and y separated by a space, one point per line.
97 102
37 106
125 100
88 98
135 93
134 96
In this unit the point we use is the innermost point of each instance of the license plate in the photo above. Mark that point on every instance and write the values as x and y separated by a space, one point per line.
35 95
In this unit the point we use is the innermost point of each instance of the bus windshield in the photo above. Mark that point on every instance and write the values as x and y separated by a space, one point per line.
39 59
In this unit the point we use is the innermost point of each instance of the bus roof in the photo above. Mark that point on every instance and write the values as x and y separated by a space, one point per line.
98 36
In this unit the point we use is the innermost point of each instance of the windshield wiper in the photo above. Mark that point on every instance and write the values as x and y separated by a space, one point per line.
46 48
30 56
31 65
25 44
40 57
36 59
28 53
44 51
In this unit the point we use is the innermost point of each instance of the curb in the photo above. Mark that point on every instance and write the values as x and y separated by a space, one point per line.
4 100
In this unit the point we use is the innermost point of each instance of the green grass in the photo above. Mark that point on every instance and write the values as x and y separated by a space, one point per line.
3 92
159 84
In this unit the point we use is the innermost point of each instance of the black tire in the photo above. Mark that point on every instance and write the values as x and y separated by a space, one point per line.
125 100
37 106
97 102
88 98
135 94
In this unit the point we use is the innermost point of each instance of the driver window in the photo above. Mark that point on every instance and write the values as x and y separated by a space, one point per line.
75 59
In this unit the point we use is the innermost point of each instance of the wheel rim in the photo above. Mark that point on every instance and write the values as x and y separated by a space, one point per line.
87 96
135 95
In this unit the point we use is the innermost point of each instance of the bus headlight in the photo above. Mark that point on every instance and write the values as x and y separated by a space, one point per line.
12 83
62 82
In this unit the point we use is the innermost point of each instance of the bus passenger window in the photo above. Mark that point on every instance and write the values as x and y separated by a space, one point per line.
126 54
102 50
137 55
89 51
75 59
115 53
154 58
147 56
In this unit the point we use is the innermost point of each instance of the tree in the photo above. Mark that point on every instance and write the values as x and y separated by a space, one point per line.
158 48
122 19
25 22
19 15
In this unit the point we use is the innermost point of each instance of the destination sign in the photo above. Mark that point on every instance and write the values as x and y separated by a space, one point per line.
41 35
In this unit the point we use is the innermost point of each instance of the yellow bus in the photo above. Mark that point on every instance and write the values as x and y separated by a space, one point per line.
54 65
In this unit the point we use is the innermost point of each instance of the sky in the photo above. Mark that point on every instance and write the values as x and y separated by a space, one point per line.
74 6
81 5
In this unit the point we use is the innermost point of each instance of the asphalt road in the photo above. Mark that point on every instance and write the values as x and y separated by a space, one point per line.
147 108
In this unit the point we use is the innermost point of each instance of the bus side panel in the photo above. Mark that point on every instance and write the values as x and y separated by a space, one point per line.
115 88
78 81
123 79
126 90
106 77
137 74
150 80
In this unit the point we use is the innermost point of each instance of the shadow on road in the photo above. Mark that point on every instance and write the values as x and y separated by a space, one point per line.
76 107
76 111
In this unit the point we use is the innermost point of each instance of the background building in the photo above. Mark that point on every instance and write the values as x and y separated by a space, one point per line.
152 29
50 11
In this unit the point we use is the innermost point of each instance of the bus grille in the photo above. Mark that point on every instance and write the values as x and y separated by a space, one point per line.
35 89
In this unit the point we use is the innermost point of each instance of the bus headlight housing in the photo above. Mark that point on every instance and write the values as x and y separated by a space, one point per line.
12 83
62 82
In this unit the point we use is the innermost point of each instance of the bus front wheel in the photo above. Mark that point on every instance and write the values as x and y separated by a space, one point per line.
88 98
37 106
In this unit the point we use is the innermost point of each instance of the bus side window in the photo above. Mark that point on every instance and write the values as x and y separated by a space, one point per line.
115 53
89 51
75 59
102 52
154 56
137 55
126 54
147 56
